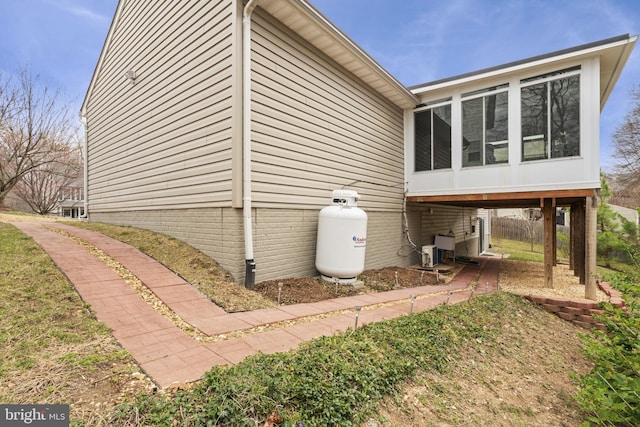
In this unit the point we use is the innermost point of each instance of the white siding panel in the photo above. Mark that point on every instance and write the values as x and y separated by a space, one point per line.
317 128
164 141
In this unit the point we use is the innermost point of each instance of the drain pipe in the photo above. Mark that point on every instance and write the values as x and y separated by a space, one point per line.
85 161
250 264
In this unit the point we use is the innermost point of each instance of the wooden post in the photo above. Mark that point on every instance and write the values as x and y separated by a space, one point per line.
554 233
591 229
578 217
549 257
572 240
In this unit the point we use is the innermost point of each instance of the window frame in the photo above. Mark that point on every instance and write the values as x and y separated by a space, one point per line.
547 80
503 88
430 106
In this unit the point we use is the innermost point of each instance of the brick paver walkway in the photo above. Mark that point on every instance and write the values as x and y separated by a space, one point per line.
168 355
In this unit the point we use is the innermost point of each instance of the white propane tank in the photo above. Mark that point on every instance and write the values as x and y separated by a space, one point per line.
342 238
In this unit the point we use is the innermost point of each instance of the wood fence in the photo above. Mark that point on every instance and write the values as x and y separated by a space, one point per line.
523 230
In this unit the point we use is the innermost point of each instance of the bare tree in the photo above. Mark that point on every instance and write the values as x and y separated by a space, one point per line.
35 128
626 141
43 188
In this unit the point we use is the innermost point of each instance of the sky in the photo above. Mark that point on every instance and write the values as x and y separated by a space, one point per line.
417 41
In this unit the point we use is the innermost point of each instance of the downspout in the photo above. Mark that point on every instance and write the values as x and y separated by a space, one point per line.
85 161
250 265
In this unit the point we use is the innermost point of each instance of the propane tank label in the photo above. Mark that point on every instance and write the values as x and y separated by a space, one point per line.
359 242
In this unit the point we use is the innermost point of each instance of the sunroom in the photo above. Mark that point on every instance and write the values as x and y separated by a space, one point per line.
524 134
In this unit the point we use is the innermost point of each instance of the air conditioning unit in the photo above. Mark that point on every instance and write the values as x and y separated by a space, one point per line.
429 255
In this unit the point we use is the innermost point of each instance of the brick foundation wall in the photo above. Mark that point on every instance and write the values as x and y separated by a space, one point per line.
580 312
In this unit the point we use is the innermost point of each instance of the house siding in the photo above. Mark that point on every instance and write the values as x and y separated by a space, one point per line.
168 161
164 141
317 128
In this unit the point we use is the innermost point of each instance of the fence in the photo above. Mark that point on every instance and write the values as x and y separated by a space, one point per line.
524 230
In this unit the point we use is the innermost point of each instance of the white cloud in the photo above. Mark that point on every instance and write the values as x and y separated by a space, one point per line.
81 10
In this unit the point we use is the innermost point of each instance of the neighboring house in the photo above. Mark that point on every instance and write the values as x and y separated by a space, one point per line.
231 134
630 215
72 201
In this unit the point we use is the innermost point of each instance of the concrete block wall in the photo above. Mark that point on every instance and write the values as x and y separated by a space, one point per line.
284 239
580 312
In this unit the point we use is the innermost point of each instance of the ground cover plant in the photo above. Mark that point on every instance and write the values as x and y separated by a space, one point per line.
337 380
610 393
431 393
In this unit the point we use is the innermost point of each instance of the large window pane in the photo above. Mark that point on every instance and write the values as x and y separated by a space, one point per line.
422 145
497 128
472 132
534 122
442 137
565 117
485 130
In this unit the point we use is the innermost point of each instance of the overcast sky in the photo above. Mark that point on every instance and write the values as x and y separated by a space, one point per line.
417 41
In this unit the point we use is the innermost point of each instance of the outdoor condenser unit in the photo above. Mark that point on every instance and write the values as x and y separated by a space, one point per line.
429 255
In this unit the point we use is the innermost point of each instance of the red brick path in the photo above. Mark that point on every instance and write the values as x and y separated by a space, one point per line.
168 355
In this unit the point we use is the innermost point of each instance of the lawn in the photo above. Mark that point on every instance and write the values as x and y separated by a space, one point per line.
53 349
391 373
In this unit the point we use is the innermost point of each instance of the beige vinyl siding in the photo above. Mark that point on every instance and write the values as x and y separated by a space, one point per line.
165 141
316 128
386 243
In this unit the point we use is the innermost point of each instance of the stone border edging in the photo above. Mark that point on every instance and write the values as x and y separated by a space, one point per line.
580 312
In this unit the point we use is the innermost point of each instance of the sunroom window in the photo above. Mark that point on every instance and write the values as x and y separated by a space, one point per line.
550 108
433 137
485 127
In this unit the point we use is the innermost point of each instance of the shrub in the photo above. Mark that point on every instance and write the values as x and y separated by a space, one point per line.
610 393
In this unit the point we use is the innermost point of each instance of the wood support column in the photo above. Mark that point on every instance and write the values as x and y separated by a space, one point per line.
591 229
572 241
578 232
554 233
548 213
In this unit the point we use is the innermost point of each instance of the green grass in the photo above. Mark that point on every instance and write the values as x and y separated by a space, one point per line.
42 319
521 251
518 251
54 351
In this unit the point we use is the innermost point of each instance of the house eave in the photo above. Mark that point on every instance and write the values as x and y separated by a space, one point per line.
315 28
613 53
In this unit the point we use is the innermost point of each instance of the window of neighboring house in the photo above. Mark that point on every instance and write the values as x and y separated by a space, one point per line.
433 137
485 127
550 109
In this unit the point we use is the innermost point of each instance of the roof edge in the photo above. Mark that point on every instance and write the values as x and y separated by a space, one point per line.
404 99
505 66
354 47
105 47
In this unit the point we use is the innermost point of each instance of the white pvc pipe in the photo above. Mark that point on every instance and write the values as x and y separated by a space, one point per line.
85 157
250 269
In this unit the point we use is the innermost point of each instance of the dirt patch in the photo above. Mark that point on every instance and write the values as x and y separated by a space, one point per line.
307 289
527 278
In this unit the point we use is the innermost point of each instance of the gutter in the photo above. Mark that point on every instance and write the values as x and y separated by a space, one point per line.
250 264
